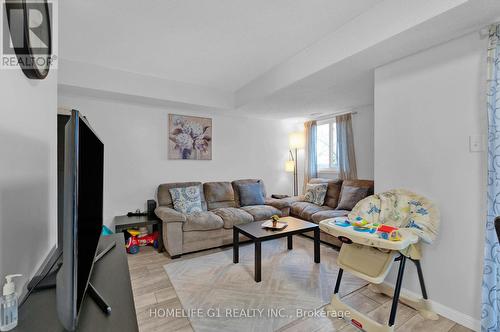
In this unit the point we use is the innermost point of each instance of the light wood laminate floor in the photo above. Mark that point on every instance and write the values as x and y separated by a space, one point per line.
153 290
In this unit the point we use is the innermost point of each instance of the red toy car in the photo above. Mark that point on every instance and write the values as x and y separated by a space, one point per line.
135 242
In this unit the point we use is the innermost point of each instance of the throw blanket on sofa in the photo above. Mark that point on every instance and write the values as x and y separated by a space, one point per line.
404 209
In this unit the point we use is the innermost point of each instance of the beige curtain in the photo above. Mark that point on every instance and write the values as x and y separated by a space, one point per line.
345 147
311 164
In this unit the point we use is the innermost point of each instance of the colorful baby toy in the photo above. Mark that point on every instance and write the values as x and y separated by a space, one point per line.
360 224
389 233
134 242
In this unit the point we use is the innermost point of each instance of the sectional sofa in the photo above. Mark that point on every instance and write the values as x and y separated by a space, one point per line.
336 191
183 233
212 227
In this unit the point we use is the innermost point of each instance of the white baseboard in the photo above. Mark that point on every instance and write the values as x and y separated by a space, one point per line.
447 312
456 316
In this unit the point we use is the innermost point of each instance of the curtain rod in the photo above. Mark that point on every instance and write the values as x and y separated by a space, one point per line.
330 116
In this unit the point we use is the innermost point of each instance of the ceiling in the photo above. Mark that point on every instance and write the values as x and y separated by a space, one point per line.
263 58
221 44
316 99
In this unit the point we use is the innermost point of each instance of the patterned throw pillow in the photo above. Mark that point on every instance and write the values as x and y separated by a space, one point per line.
316 193
187 199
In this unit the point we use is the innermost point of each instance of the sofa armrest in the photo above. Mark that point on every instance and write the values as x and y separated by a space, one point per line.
277 203
168 215
294 199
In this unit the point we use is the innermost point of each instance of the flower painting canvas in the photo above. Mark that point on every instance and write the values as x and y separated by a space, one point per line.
189 137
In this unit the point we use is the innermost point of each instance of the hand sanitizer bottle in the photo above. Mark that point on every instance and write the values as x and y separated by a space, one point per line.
8 304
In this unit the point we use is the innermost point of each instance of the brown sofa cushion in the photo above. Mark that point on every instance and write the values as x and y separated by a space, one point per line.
165 199
348 189
322 215
305 210
237 183
351 196
359 183
233 216
278 203
333 191
202 221
261 212
219 195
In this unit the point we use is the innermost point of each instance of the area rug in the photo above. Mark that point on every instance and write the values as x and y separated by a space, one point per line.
218 295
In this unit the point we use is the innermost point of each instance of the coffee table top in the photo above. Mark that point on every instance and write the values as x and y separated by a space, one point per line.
255 231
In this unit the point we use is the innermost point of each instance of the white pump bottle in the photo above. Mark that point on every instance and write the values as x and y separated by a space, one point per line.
8 304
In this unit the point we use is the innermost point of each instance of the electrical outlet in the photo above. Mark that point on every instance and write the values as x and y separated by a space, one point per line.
476 143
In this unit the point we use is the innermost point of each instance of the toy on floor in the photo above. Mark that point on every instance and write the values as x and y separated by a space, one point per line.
137 240
380 230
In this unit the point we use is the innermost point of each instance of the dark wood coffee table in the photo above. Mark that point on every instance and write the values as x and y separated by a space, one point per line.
257 234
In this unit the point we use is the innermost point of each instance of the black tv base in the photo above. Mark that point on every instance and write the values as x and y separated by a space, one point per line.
92 292
46 280
39 313
42 282
99 300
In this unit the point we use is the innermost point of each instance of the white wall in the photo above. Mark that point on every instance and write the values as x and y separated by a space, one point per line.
28 146
426 106
135 141
363 131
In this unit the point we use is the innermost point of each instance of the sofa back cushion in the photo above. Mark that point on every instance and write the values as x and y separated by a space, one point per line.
351 196
332 192
369 184
186 199
237 183
219 195
251 194
165 199
353 191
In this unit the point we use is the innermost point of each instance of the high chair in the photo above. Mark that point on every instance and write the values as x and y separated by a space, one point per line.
367 254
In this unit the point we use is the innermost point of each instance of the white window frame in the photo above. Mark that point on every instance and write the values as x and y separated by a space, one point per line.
333 168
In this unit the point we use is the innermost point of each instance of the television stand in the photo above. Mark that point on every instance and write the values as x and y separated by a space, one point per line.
42 282
39 312
104 251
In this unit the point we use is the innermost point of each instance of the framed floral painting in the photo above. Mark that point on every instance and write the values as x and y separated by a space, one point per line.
189 137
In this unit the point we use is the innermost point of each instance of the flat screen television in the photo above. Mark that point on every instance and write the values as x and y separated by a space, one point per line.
82 216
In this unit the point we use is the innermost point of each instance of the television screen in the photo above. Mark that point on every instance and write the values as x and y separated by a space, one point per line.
82 215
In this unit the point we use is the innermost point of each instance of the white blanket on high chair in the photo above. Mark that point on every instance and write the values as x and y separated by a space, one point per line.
403 209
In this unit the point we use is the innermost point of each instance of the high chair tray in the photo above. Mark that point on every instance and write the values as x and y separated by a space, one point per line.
329 226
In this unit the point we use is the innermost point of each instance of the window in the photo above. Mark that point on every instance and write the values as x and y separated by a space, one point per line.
326 144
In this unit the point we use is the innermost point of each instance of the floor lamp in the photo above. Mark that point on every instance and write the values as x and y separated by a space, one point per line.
295 142
291 166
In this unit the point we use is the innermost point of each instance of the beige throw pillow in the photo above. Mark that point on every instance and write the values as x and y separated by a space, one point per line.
316 193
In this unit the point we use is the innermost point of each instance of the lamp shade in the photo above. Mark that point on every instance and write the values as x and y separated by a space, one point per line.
296 140
290 166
